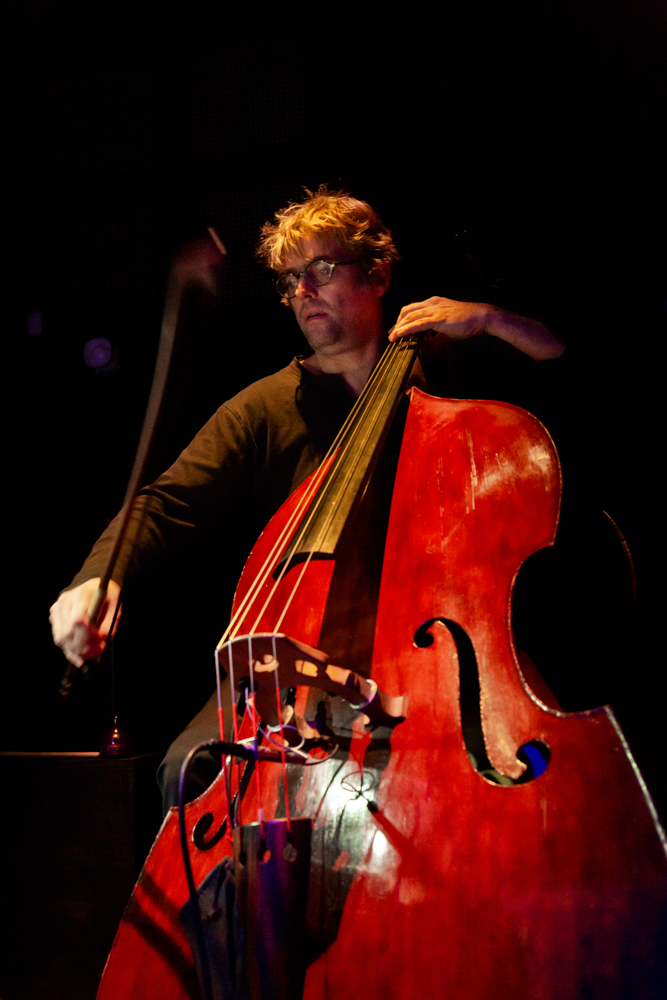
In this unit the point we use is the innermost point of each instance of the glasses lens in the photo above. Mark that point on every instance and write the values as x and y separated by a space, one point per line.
286 285
319 272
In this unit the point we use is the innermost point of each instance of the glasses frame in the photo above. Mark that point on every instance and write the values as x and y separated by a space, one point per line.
302 274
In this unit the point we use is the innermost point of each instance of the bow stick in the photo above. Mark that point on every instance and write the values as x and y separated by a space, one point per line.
193 267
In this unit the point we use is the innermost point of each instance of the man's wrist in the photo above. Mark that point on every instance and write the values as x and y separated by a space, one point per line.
530 336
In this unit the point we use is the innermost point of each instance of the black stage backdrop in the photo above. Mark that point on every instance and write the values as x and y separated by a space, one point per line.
133 127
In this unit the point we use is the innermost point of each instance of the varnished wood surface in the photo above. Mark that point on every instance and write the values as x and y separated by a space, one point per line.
427 878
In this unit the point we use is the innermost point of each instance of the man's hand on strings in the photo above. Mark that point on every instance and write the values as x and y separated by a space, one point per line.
72 629
456 320
452 320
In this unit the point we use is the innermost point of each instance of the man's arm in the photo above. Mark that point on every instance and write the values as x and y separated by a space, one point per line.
166 517
451 320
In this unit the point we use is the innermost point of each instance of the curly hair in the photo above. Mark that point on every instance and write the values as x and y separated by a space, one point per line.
353 223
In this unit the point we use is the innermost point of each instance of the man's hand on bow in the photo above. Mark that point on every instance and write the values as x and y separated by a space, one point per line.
72 629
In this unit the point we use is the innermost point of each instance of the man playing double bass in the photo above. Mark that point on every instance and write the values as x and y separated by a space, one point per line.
332 256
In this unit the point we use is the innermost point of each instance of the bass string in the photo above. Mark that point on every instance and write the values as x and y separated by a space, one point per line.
279 708
388 387
327 466
270 560
235 729
371 389
234 626
379 386
224 764
276 628
255 726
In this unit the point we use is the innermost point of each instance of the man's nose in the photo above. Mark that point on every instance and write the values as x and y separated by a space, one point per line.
305 288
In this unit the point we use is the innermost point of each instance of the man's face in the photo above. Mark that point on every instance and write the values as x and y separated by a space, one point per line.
345 313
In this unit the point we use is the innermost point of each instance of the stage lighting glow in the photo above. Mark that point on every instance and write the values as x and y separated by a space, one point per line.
98 353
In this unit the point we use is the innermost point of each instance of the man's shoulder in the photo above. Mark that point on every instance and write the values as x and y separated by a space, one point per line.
269 392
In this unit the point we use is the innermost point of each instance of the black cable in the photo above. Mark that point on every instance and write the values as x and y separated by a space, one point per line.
246 753
236 750
192 889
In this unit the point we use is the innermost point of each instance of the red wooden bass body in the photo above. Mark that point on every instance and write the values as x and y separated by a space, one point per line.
428 877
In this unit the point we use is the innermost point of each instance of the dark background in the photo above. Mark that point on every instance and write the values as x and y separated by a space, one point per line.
133 127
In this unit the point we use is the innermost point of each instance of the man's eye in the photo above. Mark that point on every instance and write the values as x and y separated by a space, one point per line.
321 268
290 280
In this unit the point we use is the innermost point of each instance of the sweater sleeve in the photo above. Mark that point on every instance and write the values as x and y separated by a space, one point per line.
203 486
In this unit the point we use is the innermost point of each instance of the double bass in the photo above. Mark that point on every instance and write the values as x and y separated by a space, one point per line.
443 826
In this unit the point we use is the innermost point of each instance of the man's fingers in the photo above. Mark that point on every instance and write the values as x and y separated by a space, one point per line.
423 319
404 329
81 643
456 320
77 661
73 632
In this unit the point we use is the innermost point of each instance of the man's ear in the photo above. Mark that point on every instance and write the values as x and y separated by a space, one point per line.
382 278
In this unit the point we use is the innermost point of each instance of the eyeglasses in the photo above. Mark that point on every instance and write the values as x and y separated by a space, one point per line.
316 272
